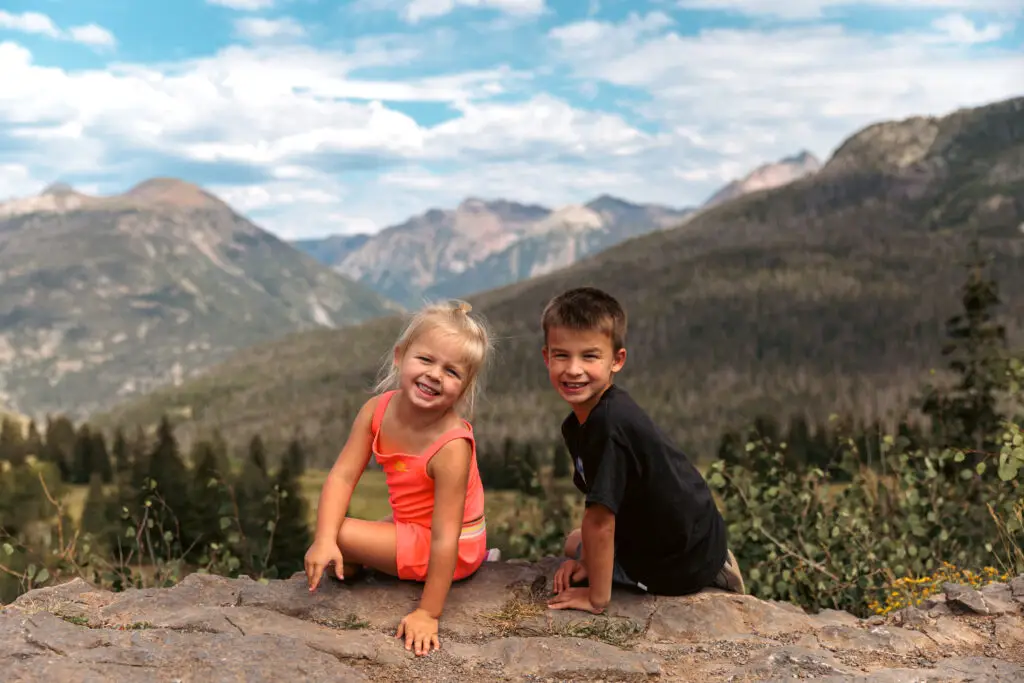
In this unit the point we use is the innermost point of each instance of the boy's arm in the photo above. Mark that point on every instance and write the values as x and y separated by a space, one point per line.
598 531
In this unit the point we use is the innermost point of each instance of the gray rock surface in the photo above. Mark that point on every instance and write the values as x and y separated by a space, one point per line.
496 628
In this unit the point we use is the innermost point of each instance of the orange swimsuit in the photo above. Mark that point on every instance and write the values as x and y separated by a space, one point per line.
411 493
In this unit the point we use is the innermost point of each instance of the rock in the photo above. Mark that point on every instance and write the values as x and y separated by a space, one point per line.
995 598
965 597
496 627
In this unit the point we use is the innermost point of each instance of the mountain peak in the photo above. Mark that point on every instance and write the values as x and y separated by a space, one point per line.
173 192
608 202
768 176
58 189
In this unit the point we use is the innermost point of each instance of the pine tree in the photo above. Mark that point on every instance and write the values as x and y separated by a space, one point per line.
295 458
99 459
60 444
122 459
560 463
12 441
202 525
97 517
34 441
168 472
291 535
967 416
798 441
252 491
81 459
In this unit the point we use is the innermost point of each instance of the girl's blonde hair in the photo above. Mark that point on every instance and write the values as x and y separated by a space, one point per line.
452 318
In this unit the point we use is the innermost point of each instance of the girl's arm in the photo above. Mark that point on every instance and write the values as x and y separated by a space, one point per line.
341 481
450 470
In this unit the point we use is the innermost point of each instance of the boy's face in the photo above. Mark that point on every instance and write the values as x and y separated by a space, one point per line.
581 364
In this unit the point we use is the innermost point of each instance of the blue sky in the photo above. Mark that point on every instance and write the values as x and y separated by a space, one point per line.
314 117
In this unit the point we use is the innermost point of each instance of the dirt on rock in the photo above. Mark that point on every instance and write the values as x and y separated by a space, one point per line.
496 628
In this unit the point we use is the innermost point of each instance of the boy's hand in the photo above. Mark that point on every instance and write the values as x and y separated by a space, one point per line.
574 598
420 629
571 570
318 557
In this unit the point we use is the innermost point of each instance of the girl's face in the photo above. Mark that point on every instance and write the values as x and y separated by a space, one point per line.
432 372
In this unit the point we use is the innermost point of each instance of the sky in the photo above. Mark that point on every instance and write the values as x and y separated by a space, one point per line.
313 117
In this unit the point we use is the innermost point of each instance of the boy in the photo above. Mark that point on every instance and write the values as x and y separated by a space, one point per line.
650 521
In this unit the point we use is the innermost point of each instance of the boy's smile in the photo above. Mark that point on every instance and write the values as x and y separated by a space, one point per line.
581 364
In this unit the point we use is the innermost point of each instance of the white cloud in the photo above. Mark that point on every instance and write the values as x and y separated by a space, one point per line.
16 180
540 127
244 5
256 28
40 24
415 11
333 153
813 9
91 34
960 29
747 96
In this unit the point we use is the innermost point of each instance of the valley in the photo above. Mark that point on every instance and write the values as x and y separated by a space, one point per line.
827 294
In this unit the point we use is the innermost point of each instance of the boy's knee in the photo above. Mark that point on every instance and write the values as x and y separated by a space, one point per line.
572 542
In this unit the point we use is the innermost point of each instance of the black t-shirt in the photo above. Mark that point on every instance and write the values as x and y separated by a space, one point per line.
669 535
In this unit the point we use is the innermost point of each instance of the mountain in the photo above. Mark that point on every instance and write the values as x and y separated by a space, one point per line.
483 244
826 294
766 177
105 297
332 249
560 239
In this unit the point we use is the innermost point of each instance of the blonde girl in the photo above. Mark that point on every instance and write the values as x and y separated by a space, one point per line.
436 533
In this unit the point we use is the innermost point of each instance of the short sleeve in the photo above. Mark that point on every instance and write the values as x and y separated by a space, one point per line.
608 485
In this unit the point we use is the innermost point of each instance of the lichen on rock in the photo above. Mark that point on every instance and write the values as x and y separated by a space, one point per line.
496 627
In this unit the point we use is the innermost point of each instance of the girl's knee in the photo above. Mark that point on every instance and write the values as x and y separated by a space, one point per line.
572 542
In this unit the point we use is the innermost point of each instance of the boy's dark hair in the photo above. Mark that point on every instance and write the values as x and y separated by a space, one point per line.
586 309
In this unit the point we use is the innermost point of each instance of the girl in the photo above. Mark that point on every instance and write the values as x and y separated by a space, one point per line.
436 532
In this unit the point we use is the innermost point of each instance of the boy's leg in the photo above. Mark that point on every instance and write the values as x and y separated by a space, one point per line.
730 578
368 544
574 549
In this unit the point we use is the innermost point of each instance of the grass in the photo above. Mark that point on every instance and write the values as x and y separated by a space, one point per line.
369 500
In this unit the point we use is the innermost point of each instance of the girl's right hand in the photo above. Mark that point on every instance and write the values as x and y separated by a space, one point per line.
318 557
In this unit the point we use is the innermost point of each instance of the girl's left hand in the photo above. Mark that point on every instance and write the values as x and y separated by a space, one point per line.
419 629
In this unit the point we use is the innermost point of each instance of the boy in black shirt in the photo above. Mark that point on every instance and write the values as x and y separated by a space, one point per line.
650 520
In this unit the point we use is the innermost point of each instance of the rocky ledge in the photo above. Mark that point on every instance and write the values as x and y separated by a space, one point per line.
496 628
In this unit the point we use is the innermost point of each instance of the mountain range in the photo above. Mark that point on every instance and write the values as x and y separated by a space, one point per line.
826 294
105 297
484 244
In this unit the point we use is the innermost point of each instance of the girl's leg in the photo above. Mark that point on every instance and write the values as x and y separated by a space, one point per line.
572 543
368 544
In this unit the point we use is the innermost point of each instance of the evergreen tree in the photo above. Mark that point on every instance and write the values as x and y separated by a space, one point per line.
169 475
295 458
291 535
561 462
253 491
60 444
730 448
202 525
122 459
98 517
12 441
81 459
34 441
967 415
798 440
99 459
